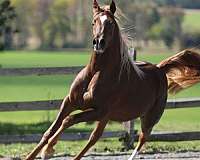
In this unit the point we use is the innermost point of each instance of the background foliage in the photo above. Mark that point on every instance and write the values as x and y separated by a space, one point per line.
56 24
7 15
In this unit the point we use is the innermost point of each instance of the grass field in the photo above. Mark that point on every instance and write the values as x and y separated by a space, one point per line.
20 59
191 21
29 88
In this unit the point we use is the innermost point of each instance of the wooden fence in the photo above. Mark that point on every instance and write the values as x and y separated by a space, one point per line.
54 104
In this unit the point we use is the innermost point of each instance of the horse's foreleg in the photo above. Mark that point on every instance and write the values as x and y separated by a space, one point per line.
95 135
65 110
86 116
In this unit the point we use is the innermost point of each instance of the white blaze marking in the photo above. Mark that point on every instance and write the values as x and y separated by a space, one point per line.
103 18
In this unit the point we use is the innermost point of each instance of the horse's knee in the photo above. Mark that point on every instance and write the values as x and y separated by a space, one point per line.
68 121
45 138
47 134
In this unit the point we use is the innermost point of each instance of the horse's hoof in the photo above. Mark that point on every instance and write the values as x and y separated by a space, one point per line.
47 153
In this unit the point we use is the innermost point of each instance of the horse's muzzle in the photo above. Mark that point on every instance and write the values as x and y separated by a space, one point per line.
99 45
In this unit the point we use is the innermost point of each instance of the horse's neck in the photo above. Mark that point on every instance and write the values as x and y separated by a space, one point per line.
107 62
113 62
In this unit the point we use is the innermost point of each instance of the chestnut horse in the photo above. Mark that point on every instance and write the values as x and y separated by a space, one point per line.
113 87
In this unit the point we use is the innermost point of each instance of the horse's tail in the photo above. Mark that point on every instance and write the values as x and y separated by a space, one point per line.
182 70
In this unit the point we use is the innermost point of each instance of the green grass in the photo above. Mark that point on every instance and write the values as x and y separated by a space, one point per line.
179 120
20 59
191 21
31 59
32 88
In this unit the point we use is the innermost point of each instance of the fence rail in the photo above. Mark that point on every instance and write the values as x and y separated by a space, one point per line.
39 71
160 136
54 104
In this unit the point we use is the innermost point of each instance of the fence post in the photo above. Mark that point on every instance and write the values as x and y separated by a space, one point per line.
128 140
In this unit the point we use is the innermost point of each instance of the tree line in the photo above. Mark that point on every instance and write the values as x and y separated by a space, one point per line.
55 24
191 4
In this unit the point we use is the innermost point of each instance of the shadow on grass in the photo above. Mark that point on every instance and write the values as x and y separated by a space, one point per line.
38 128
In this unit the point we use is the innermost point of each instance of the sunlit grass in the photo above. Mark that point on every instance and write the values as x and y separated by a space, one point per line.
30 59
32 88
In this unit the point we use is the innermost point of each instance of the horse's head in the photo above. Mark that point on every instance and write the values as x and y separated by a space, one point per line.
104 26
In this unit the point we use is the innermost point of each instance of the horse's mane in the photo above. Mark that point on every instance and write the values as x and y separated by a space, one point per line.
126 47
127 57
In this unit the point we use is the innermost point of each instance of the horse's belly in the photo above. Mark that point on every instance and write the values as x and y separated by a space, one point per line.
128 112
123 116
127 108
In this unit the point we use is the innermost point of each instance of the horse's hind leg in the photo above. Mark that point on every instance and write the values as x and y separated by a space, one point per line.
86 116
141 141
65 110
147 122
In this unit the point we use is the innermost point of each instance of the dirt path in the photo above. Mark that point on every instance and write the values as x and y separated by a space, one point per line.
125 156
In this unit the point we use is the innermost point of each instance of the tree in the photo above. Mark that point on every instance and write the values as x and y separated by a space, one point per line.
47 24
189 40
142 15
25 11
7 15
170 26
57 26
195 4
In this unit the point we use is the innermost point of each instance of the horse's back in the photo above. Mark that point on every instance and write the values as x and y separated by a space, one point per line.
142 63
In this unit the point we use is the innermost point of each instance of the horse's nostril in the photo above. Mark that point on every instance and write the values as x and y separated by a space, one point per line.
102 43
94 42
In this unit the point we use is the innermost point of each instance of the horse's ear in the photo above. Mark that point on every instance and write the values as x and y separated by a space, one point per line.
113 7
96 7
